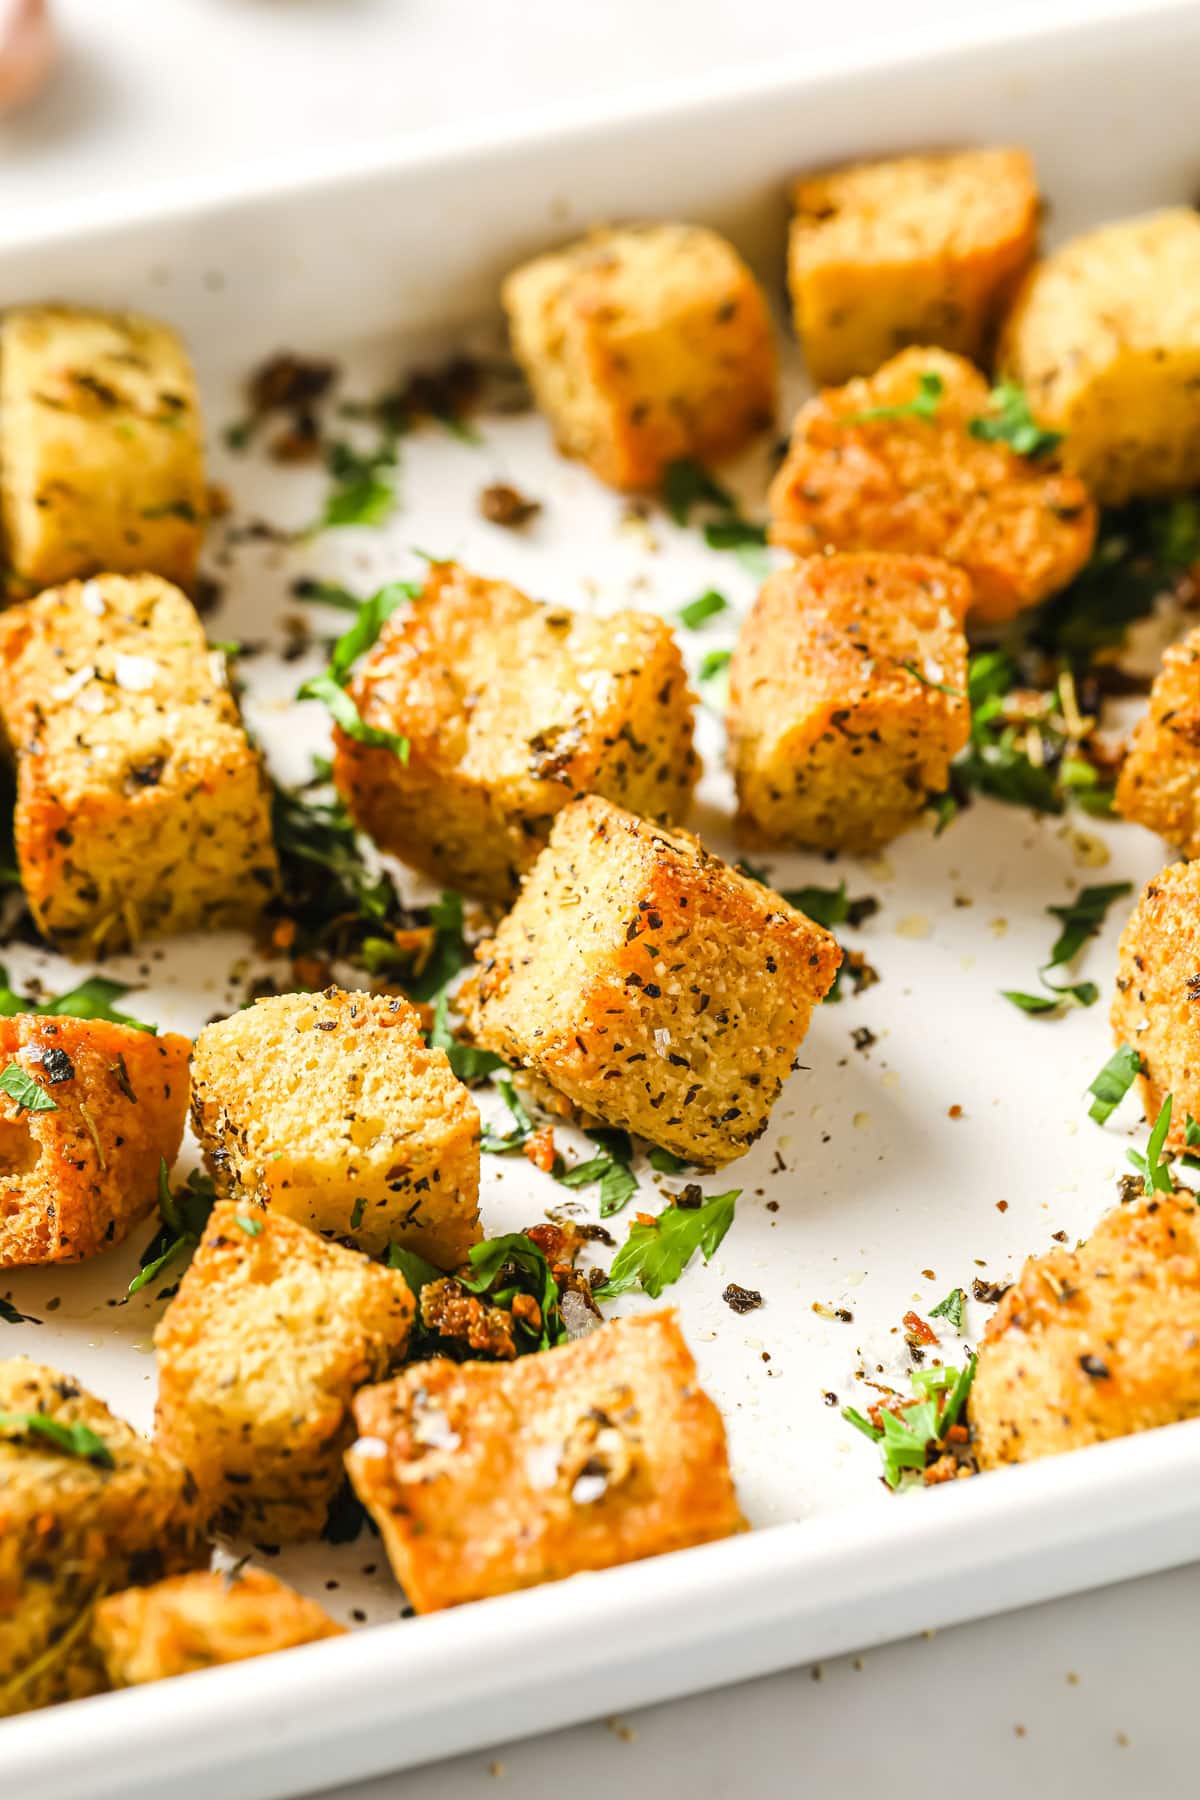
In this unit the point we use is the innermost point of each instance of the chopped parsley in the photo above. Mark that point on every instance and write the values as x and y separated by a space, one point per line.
657 1250
183 1215
923 405
503 1267
416 1271
688 485
907 1435
611 1168
1080 919
1153 1167
74 1439
10 1315
500 1143
29 1095
92 999
824 906
330 686
1113 1082
952 1309
1009 421
363 491
666 1162
705 607
942 687
467 1061
251 1227
326 593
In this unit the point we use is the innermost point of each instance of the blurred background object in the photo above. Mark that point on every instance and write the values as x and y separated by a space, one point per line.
28 50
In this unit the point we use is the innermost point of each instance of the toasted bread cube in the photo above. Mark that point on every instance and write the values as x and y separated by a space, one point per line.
848 699
644 345
259 1355
511 709
1105 339
912 250
80 1168
1018 527
142 808
101 450
75 1526
1095 1343
1154 1008
488 1477
332 1109
201 1620
651 984
1159 783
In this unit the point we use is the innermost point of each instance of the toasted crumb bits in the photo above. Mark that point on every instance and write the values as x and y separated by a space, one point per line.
742 1300
501 504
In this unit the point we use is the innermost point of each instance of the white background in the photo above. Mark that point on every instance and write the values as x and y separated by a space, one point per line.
1093 1695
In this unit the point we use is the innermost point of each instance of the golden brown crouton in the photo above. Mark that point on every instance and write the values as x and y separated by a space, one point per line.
101 459
847 698
1156 1007
1095 1343
79 1167
511 709
1159 783
332 1108
86 1506
912 250
1105 339
644 345
198 1621
141 807
259 1355
487 1477
651 984
924 486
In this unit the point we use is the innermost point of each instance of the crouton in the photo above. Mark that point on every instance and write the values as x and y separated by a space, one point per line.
655 987
1159 783
259 1355
332 1108
101 457
847 699
1105 339
510 710
80 1150
644 345
488 1477
141 807
1095 1343
912 250
1154 1007
201 1620
922 485
87 1506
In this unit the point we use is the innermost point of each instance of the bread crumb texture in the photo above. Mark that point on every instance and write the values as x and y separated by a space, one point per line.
1105 339
511 709
644 345
1095 1343
1159 783
1156 1006
201 1620
72 1531
101 448
142 809
1019 528
654 986
333 1109
75 1178
488 1477
848 699
259 1355
912 250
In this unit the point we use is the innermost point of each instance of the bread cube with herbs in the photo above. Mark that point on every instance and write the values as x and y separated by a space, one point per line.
142 808
848 699
332 1109
484 1478
87 1507
260 1352
508 710
656 988
908 250
1159 782
644 345
1154 1009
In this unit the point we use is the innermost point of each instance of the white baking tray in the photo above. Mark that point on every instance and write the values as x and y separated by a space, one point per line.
865 1196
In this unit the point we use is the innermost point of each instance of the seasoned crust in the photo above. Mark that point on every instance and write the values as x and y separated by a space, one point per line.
1159 783
488 1477
650 983
847 698
74 1181
201 1620
142 809
259 1355
910 250
511 709
1020 529
72 1531
1156 1006
332 1109
643 345
1105 338
1095 1343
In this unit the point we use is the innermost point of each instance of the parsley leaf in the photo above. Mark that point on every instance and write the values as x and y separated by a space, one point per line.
1082 918
326 593
706 606
611 1168
1113 1082
75 1439
952 1308
942 687
330 685
657 1251
1011 422
363 492
1154 1169
505 1266
467 1061
687 484
666 1162
906 1436
416 1271
11 1316
29 1095
92 999
824 906
923 405
1055 999
500 1143
184 1214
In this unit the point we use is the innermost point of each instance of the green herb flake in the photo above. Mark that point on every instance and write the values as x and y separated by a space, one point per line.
363 491
9 1314
251 1227
357 1212
655 1255
1082 918
1153 1167
501 1143
824 906
416 1271
468 1063
666 1162
906 1437
75 1439
1009 421
330 686
923 405
941 687
952 1309
20 1086
92 999
183 1214
706 607
687 484
1113 1082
